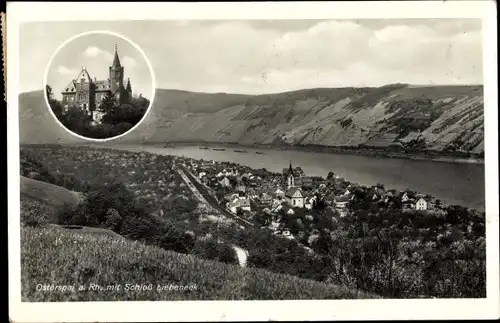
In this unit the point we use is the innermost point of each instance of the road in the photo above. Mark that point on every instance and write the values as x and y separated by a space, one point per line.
211 200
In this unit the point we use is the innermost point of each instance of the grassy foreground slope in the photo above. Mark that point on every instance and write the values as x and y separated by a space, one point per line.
63 257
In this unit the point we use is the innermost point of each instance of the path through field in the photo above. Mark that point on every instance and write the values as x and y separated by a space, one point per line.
242 255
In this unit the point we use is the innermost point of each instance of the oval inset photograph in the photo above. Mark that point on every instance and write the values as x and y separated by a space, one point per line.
99 85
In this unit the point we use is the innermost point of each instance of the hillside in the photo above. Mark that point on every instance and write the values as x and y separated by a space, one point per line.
47 193
418 117
36 124
81 258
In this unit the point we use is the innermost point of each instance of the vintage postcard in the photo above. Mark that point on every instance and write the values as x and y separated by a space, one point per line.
252 161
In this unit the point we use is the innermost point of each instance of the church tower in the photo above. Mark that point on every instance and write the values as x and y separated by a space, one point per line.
291 177
116 75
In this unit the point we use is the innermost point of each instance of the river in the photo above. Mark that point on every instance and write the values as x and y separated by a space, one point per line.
453 183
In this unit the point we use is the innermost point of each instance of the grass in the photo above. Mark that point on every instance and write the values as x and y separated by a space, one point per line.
48 193
57 256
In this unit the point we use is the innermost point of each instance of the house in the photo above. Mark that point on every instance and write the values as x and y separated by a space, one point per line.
408 204
341 201
274 226
279 193
201 174
308 204
241 187
342 212
265 198
294 197
421 204
242 204
225 182
277 207
286 234
405 197
231 196
245 205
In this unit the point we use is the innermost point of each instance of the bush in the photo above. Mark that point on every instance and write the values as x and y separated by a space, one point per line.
33 214
113 219
68 214
213 250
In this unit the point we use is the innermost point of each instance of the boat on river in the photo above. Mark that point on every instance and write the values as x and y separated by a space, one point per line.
205 148
219 149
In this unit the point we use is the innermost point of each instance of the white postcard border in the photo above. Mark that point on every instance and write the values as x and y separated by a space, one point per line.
255 310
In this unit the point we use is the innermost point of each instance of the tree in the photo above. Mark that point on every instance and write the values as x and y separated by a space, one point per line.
330 175
130 112
55 105
262 219
108 103
75 119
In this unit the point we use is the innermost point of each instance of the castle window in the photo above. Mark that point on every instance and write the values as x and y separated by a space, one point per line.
67 89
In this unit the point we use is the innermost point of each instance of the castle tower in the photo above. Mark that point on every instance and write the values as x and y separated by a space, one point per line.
291 177
116 74
129 87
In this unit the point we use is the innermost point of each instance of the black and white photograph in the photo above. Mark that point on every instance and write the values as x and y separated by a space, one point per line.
252 159
95 108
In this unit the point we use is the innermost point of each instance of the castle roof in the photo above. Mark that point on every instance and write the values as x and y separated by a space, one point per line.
85 76
116 60
103 85
70 87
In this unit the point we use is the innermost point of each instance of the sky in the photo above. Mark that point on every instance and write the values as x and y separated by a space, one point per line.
256 56
95 53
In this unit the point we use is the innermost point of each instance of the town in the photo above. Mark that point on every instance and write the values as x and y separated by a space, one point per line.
324 229
270 199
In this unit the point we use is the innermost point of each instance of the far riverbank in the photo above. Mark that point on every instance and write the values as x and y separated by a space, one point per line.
429 156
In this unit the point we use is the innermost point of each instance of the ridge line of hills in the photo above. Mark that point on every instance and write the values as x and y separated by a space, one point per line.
442 119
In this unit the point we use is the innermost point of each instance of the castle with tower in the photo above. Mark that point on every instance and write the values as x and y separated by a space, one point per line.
88 94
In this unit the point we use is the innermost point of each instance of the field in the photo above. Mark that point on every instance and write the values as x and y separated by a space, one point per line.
64 257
